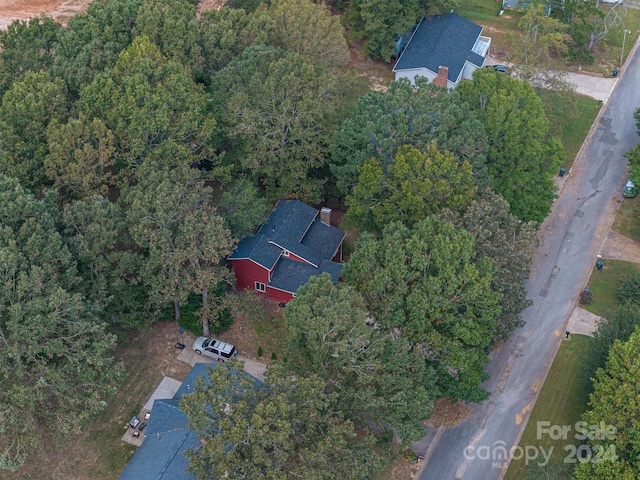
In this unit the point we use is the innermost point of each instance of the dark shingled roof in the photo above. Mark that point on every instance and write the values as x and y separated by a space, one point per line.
442 40
167 437
290 275
258 249
292 225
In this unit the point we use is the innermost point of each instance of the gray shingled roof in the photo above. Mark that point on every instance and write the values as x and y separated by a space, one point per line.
442 40
292 225
167 436
290 275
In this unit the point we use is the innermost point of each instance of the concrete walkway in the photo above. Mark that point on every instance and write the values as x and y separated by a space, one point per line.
581 322
590 84
621 247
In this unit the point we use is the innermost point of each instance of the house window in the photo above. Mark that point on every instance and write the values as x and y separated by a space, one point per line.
261 287
285 253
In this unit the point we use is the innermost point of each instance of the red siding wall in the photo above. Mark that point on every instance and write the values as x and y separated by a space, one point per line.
296 258
247 273
278 295
338 256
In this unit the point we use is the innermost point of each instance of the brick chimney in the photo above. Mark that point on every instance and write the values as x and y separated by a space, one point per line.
441 78
325 215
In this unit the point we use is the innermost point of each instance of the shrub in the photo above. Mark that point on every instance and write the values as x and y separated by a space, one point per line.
259 351
629 291
274 356
586 297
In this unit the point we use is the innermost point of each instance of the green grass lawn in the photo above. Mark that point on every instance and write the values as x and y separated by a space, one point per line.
627 219
479 10
572 116
605 282
561 402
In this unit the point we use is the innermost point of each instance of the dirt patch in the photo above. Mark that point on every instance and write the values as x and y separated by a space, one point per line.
446 413
258 322
62 10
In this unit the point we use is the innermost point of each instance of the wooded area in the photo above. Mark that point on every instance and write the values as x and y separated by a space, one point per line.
138 145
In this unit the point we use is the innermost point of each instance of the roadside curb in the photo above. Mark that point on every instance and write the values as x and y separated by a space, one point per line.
427 455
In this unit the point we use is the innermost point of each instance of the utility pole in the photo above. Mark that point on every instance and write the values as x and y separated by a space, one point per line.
624 37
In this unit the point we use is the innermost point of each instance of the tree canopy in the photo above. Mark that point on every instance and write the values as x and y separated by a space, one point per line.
413 186
384 121
422 282
613 409
373 376
520 159
55 360
286 428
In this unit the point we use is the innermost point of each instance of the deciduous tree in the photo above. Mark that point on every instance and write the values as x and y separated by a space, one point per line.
287 428
520 159
56 369
382 122
147 100
413 186
374 376
281 107
613 411
423 282
509 244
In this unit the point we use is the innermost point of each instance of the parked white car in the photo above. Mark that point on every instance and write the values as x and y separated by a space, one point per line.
216 349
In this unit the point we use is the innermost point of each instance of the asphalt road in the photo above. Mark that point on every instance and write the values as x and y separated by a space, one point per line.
571 239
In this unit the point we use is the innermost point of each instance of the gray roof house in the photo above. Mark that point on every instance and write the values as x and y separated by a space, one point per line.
167 437
444 49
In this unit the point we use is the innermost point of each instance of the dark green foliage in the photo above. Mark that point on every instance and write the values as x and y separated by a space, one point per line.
287 428
374 376
281 107
408 189
509 244
26 110
223 37
629 290
172 26
93 41
382 122
620 327
378 21
520 159
55 361
242 207
26 46
94 229
434 295
614 405
190 313
259 351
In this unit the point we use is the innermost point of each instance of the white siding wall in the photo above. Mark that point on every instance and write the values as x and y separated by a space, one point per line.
467 71
413 72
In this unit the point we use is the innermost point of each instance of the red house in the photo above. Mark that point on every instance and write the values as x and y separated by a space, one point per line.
296 243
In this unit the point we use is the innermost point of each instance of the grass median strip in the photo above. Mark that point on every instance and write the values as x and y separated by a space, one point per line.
552 426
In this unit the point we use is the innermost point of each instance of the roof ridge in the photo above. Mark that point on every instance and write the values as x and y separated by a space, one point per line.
449 17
